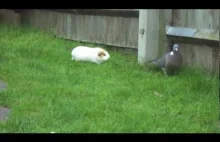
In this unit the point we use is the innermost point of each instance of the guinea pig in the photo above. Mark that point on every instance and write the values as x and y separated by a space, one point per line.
96 55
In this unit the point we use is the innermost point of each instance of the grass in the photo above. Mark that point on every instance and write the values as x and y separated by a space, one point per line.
49 92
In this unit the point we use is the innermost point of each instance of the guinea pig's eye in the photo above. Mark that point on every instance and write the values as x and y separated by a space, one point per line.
101 54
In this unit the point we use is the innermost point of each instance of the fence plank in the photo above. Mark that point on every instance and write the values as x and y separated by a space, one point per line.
151 35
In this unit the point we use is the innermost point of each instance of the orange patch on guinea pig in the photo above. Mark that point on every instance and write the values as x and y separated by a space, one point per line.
101 54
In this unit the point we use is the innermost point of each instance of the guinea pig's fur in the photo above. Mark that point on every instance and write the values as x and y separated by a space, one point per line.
96 55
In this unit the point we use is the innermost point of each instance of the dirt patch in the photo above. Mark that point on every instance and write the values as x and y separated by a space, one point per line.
3 85
4 112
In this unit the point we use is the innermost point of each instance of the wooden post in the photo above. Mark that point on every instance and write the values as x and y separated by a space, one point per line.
152 35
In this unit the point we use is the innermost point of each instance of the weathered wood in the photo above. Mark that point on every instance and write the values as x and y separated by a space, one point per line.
200 56
100 12
201 36
169 22
10 16
168 17
151 35
196 18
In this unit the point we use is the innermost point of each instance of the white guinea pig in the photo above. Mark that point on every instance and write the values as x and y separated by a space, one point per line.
96 55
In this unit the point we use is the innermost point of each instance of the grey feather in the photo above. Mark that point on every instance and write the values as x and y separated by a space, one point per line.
170 63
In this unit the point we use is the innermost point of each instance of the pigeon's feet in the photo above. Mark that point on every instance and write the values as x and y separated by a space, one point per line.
164 71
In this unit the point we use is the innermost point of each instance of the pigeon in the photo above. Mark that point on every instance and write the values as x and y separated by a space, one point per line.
170 62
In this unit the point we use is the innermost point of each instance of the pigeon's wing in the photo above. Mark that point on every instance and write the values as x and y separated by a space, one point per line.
161 62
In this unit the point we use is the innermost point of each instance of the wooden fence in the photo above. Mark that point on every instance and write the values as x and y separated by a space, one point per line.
120 28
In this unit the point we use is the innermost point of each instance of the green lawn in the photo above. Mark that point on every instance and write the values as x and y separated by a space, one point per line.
49 92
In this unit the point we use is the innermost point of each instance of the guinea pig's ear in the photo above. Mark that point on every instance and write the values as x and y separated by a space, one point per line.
101 54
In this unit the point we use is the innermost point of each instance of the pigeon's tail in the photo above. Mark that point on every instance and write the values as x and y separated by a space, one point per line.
153 61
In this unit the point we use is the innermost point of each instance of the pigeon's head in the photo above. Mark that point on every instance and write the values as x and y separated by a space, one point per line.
176 47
